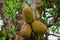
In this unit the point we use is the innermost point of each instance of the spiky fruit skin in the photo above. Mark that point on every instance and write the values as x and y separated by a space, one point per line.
38 27
26 31
27 14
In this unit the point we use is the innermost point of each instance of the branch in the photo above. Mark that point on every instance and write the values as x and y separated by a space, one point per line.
54 35
49 16
54 20
1 5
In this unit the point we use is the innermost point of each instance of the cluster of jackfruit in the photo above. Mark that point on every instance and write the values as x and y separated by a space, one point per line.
31 24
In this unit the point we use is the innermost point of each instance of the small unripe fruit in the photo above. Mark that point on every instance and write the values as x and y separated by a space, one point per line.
28 14
38 27
26 31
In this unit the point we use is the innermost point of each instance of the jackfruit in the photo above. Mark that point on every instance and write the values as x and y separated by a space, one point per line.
38 27
27 14
26 31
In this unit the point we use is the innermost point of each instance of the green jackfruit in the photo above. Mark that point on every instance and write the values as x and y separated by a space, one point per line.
27 14
26 31
38 27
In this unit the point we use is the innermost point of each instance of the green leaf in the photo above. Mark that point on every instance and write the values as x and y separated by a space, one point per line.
53 30
12 30
37 14
10 4
54 12
3 38
42 3
42 37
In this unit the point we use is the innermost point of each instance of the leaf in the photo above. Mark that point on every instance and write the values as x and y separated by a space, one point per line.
10 4
53 30
42 3
12 30
3 38
37 14
7 10
42 37
54 12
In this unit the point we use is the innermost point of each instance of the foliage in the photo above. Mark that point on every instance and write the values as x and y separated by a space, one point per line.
50 15
37 14
54 12
12 7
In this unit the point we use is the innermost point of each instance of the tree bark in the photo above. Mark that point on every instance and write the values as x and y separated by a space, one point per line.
4 15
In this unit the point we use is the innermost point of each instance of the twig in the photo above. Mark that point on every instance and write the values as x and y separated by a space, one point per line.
54 35
46 38
49 16
53 21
